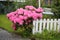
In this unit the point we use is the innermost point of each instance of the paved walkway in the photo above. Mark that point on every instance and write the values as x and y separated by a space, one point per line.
4 35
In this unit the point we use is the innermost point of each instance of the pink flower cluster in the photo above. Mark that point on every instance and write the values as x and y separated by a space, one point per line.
25 16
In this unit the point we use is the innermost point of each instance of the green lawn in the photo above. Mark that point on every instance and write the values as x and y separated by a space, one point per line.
5 23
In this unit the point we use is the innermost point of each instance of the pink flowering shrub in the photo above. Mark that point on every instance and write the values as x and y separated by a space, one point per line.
25 16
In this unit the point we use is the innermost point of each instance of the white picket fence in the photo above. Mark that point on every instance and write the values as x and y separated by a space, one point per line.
49 24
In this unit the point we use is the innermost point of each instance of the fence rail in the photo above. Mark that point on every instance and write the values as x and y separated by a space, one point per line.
49 24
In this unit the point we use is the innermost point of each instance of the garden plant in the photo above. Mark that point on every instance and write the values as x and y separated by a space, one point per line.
23 18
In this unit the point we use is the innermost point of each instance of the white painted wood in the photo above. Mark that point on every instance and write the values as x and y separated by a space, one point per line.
37 25
44 23
51 24
40 26
39 3
33 30
47 24
55 24
58 25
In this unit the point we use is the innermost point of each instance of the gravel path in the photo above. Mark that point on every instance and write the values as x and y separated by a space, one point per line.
4 35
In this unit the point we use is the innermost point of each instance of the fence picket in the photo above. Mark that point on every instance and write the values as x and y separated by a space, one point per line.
55 24
33 30
51 25
37 25
58 25
47 24
40 26
44 22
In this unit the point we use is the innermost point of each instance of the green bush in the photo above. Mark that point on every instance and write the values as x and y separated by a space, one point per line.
46 6
7 6
48 16
25 31
23 4
56 8
46 35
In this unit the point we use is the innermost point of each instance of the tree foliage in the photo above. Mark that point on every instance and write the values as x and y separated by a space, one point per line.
56 8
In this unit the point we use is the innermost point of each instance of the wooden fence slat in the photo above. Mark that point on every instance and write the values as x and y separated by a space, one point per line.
34 24
47 24
51 24
37 25
44 23
58 25
55 24
40 26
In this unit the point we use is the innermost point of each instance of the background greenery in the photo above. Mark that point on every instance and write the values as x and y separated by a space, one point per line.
56 8
46 35
48 16
7 6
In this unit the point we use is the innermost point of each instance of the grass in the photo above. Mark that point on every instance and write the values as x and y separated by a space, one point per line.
5 23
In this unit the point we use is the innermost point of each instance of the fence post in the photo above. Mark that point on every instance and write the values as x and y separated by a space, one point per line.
39 3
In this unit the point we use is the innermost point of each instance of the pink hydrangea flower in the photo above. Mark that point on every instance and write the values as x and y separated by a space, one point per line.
39 10
40 15
21 17
21 22
29 15
34 16
25 12
27 7
20 11
30 7
25 16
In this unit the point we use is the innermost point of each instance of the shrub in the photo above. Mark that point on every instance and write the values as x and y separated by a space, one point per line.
46 35
48 16
23 4
24 17
56 8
